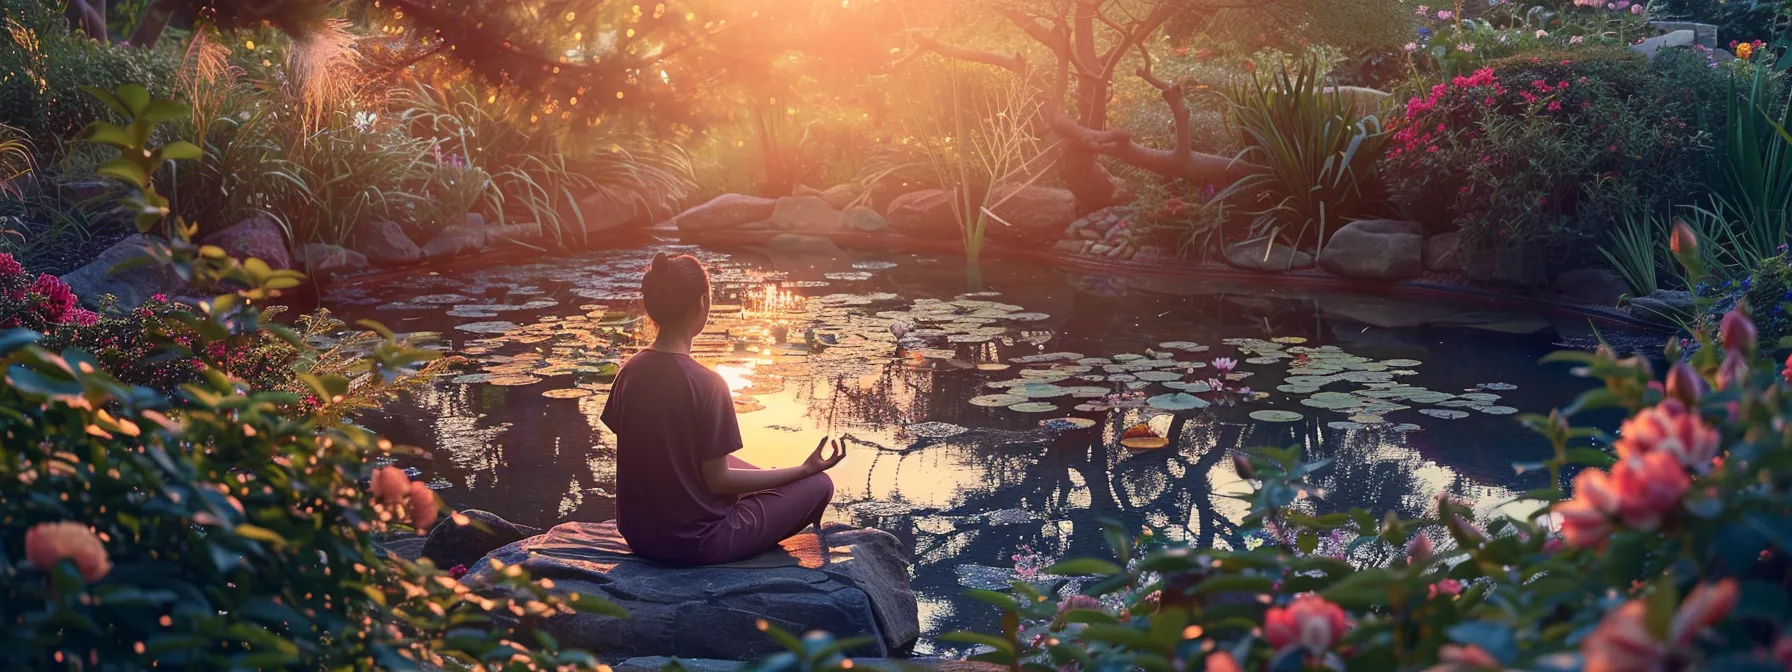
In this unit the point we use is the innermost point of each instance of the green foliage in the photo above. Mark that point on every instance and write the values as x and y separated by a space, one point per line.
138 161
1742 20
1753 182
16 160
1768 289
1552 150
1320 157
43 68
222 530
1636 251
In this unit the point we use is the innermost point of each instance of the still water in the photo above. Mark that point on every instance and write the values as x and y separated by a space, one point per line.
959 433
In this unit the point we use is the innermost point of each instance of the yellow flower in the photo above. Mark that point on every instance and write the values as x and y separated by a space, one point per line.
1744 49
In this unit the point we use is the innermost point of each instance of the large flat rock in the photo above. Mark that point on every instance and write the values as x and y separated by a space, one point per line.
131 286
848 581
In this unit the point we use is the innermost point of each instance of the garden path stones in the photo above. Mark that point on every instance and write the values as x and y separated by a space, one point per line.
1376 249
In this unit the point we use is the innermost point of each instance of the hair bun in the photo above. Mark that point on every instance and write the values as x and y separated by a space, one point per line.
661 262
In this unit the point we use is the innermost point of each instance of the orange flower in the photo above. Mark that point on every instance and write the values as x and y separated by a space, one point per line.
1737 331
1309 622
1648 488
1622 642
1705 606
423 507
390 485
1744 50
49 543
1222 662
1683 241
1669 428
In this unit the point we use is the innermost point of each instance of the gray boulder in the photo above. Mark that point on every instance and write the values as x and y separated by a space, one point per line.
851 582
1261 255
1665 306
1597 286
1443 252
1030 215
863 219
1651 46
923 214
132 286
321 260
1376 249
456 240
385 244
257 237
451 543
798 245
838 197
1704 34
805 214
724 212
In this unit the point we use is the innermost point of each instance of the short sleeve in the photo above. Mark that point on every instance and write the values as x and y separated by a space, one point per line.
718 428
613 413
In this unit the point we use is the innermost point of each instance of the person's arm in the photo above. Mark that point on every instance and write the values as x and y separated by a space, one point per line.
722 479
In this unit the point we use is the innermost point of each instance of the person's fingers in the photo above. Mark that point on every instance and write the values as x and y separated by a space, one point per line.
822 444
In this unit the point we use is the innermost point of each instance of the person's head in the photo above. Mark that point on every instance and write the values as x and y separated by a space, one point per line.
676 293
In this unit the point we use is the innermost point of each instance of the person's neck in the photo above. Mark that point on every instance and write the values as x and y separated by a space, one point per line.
671 344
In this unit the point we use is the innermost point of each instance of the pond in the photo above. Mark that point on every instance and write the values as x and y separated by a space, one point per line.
992 435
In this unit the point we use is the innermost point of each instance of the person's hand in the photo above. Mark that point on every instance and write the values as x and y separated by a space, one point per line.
827 454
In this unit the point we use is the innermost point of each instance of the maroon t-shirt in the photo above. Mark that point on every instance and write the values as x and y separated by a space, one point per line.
670 415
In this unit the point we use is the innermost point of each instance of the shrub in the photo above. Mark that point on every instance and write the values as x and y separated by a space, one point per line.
37 302
132 347
1667 556
1768 290
43 67
1551 150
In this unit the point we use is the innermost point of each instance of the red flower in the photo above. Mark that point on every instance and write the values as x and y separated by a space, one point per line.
10 266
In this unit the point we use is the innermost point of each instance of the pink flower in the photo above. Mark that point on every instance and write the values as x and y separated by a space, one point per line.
1445 15
49 543
1737 331
1419 549
1225 364
1450 587
1669 428
457 571
1458 657
1786 373
10 266
1732 372
1685 385
390 485
423 507
1623 641
1221 661
1648 488
1587 519
1310 622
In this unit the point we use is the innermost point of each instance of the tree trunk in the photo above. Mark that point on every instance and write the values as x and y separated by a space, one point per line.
155 20
87 18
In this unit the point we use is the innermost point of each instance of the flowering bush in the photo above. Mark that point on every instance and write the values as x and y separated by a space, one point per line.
1551 149
37 302
1670 554
132 347
1453 42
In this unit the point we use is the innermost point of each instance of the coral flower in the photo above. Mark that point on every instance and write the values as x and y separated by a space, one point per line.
1737 331
1309 622
1459 657
49 543
1587 519
1705 606
1669 428
1622 641
1648 488
423 507
1222 662
1683 241
391 486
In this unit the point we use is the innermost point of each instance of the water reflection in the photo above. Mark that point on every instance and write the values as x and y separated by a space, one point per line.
808 350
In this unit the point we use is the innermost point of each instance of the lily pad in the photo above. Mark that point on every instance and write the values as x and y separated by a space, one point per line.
1271 415
1184 346
1177 402
874 265
1401 363
1499 410
1368 419
1158 376
1296 389
1034 407
1443 413
470 378
567 393
1499 387
494 327
513 381
1145 442
1291 340
1344 425
992 400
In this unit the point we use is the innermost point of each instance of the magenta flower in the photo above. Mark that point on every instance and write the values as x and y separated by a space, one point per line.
1225 364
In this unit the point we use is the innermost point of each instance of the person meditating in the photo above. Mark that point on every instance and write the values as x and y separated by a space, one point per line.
682 498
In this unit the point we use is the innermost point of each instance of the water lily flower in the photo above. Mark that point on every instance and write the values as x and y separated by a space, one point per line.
1669 428
1310 622
423 507
900 328
390 485
1737 331
1225 364
49 543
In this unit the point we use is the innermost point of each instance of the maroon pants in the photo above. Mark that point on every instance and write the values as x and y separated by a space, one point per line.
762 519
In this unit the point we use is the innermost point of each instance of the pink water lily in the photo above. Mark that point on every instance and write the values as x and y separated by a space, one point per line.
1225 364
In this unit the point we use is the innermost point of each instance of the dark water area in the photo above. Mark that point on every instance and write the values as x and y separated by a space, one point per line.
1411 399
